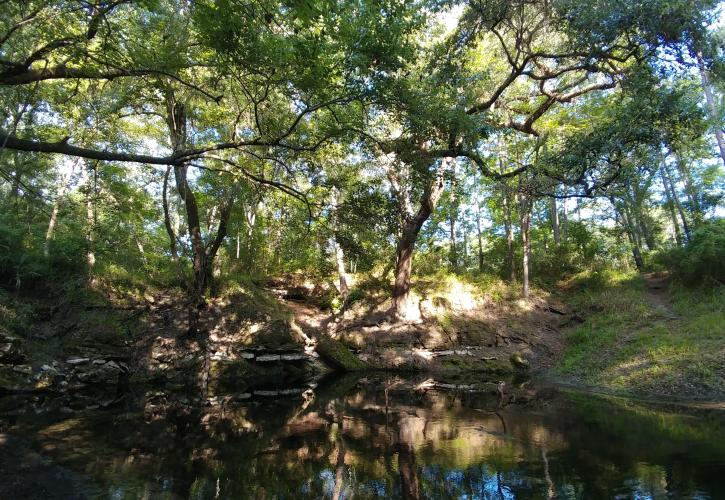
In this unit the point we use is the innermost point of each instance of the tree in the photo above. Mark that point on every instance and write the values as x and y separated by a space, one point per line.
259 101
227 110
538 56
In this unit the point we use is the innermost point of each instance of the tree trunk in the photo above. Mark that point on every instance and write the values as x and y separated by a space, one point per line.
454 250
671 207
56 208
676 199
632 226
464 248
710 99
402 309
276 239
554 212
649 238
564 217
636 253
632 237
403 269
477 208
251 223
16 182
141 250
639 217
91 222
167 218
176 120
690 190
15 188
526 206
510 264
452 219
212 250
238 242
199 282
250 220
339 254
340 261
508 223
480 239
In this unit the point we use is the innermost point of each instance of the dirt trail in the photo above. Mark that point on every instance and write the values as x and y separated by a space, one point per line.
313 321
657 294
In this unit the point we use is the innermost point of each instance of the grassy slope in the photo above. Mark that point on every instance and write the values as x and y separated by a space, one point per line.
630 343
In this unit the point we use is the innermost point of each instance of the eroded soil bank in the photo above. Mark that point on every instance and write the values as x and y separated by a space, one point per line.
261 338
284 335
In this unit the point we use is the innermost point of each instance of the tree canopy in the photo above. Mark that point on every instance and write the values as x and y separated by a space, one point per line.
189 143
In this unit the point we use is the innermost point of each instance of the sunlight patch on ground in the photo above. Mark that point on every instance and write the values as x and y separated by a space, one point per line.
461 297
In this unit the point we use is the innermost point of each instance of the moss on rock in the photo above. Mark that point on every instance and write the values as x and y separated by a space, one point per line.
338 356
461 364
519 362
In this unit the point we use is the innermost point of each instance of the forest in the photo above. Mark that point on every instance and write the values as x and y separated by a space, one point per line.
214 197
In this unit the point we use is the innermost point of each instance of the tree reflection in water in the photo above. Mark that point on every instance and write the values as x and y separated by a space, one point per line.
384 436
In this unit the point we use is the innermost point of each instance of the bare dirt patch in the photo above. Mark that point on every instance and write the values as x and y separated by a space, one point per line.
459 328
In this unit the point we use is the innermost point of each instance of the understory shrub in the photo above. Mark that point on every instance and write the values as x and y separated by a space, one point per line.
702 260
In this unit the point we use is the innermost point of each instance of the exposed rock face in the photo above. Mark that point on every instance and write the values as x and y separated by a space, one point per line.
57 376
103 373
14 373
465 327
248 340
252 342
10 351
77 361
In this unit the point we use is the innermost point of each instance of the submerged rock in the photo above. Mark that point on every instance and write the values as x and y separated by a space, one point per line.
27 474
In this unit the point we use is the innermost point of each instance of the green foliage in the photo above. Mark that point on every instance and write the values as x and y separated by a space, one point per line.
631 342
617 295
702 261
287 100
652 22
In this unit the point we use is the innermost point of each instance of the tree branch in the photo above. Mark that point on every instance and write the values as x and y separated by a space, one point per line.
62 147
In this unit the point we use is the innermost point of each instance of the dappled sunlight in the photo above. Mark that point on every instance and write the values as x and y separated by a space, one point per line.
524 305
641 338
285 249
463 323
462 297
624 369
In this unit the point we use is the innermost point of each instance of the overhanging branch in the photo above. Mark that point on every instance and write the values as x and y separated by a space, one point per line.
62 147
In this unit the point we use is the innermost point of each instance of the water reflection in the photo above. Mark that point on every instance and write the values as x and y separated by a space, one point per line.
375 437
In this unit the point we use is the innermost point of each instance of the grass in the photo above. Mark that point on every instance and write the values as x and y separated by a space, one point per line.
630 344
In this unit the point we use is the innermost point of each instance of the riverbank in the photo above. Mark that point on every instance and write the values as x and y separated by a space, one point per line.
463 324
643 336
610 332
262 336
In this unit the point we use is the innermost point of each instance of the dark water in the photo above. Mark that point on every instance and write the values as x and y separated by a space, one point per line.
376 437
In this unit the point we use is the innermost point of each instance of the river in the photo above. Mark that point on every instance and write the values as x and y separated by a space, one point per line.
375 436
